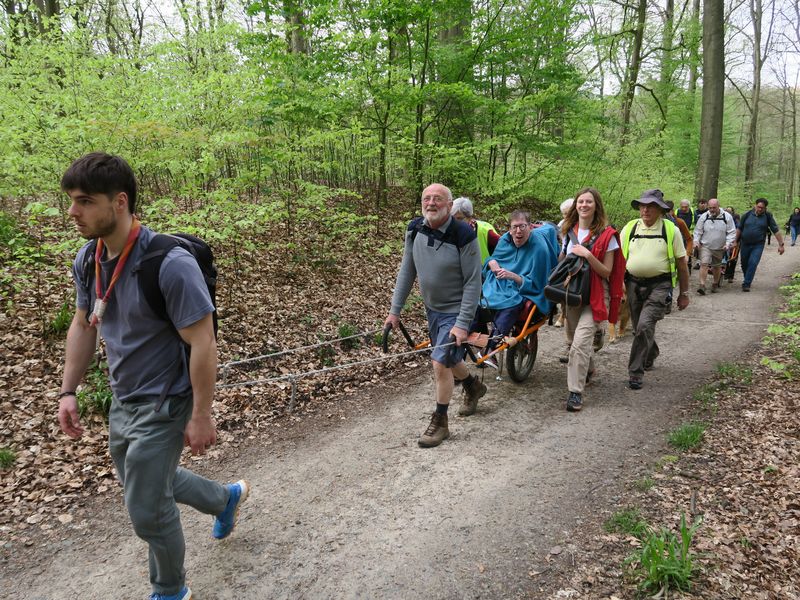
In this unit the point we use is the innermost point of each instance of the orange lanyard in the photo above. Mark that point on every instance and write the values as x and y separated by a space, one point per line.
101 300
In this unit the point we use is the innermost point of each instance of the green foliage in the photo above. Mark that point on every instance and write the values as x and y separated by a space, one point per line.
326 354
774 365
644 484
7 458
665 561
628 521
347 330
735 372
706 395
61 321
95 397
687 436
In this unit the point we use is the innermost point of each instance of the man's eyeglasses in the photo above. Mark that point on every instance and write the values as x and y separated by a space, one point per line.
520 226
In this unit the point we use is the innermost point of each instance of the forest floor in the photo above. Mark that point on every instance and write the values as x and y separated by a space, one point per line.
345 504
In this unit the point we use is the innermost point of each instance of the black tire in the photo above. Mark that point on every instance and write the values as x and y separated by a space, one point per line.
520 358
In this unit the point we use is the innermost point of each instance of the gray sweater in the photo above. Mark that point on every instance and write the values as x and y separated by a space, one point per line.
449 276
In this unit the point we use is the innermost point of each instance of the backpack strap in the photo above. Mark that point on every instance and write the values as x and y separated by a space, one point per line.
148 268
451 234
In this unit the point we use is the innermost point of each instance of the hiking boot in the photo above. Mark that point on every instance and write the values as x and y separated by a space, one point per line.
436 433
701 290
648 365
714 288
473 391
226 520
574 403
745 288
184 594
635 383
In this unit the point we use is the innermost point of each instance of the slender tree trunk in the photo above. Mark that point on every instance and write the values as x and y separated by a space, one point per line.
694 59
782 136
632 76
756 13
713 99
793 159
419 114
667 62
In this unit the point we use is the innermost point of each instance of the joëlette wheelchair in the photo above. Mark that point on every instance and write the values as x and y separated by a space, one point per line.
521 344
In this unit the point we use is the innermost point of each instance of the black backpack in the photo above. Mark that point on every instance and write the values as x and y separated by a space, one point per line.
149 267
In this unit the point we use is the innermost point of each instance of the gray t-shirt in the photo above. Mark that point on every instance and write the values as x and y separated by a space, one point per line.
144 351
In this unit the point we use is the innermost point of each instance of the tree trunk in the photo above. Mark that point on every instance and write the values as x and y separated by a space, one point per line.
793 158
782 136
667 62
756 13
295 28
455 38
713 100
694 60
632 75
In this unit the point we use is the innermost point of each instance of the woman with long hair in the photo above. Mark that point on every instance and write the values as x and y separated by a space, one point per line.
586 233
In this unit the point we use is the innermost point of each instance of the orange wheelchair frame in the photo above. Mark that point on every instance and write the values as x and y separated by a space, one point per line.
522 343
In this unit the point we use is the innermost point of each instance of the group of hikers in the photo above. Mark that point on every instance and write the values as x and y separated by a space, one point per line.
159 329
462 264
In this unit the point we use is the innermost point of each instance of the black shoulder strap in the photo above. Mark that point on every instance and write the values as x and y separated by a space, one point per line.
575 242
650 237
414 227
87 266
743 219
450 234
148 269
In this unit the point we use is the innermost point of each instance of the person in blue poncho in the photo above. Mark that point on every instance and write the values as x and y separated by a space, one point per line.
518 271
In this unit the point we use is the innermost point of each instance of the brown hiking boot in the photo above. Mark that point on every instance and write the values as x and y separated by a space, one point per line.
473 391
436 433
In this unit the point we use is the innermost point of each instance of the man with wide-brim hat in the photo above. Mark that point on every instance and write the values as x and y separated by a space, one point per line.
655 264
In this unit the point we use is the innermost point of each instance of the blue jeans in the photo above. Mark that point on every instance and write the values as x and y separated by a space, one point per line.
750 255
795 229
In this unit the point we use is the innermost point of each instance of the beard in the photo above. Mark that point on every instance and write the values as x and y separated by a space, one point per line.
100 229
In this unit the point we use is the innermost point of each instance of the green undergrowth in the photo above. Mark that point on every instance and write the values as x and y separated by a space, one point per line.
664 562
7 458
687 436
783 338
95 396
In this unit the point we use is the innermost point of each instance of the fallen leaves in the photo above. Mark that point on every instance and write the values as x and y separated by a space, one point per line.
265 306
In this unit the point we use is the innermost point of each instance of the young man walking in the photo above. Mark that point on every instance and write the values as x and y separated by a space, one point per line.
751 234
444 254
162 399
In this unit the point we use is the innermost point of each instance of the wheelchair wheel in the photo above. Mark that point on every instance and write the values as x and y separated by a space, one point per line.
520 358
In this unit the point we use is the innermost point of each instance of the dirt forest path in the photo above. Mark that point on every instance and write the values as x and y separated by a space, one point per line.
352 508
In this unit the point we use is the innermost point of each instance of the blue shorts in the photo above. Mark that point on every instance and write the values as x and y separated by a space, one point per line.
439 326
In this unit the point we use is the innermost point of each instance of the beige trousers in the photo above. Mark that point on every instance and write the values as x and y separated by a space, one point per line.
580 327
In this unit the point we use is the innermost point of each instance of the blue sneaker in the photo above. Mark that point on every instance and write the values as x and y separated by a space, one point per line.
226 520
184 594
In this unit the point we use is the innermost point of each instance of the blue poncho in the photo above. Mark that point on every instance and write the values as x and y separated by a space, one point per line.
533 262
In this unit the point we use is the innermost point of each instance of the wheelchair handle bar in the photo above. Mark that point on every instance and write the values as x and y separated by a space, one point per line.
385 338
